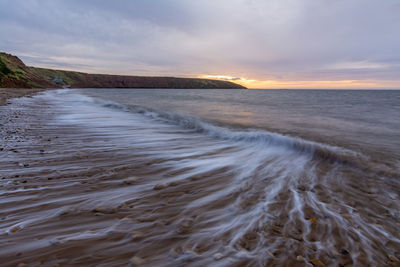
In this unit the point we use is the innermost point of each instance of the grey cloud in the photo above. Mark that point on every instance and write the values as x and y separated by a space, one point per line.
294 39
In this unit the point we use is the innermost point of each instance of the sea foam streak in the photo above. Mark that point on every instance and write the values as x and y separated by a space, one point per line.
205 193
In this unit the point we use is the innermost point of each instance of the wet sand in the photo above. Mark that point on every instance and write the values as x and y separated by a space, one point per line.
72 197
8 93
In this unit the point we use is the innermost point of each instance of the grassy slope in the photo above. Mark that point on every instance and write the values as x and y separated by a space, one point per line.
14 74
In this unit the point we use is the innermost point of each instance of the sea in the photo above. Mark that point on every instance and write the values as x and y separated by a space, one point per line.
217 177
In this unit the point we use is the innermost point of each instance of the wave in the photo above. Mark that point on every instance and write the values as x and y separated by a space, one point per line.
262 138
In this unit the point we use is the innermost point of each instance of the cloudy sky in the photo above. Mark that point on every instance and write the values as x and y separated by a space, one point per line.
259 43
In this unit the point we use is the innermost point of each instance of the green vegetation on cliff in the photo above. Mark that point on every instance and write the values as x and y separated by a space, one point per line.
15 74
4 70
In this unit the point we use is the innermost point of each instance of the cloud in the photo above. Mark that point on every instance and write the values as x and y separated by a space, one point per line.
284 40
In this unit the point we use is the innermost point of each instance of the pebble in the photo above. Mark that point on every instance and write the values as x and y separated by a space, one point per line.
173 183
23 165
317 263
54 242
270 254
103 210
185 226
130 181
344 252
302 188
173 253
136 235
123 206
136 261
64 211
15 229
218 256
160 186
300 258
313 220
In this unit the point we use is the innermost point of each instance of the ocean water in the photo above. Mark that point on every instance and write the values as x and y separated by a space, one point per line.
363 121
230 177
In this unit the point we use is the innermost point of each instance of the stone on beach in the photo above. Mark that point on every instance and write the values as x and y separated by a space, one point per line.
218 256
130 181
313 220
160 186
15 229
136 261
316 262
136 235
300 258
100 209
270 254
173 252
185 226
173 183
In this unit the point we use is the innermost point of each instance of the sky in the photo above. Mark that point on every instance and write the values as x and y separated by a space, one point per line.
258 43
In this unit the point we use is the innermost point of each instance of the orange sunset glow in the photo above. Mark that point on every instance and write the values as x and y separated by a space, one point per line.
277 84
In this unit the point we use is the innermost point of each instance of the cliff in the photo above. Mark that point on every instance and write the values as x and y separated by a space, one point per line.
15 74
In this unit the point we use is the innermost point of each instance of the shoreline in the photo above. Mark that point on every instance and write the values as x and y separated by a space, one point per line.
9 93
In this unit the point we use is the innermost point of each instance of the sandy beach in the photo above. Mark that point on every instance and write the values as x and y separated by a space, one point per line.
8 93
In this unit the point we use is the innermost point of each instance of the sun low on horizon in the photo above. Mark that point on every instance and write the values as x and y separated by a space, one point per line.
276 84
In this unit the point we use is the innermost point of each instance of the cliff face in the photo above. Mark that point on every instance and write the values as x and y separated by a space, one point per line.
15 74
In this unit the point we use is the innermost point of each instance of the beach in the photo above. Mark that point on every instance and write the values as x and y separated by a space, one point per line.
8 93
89 180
